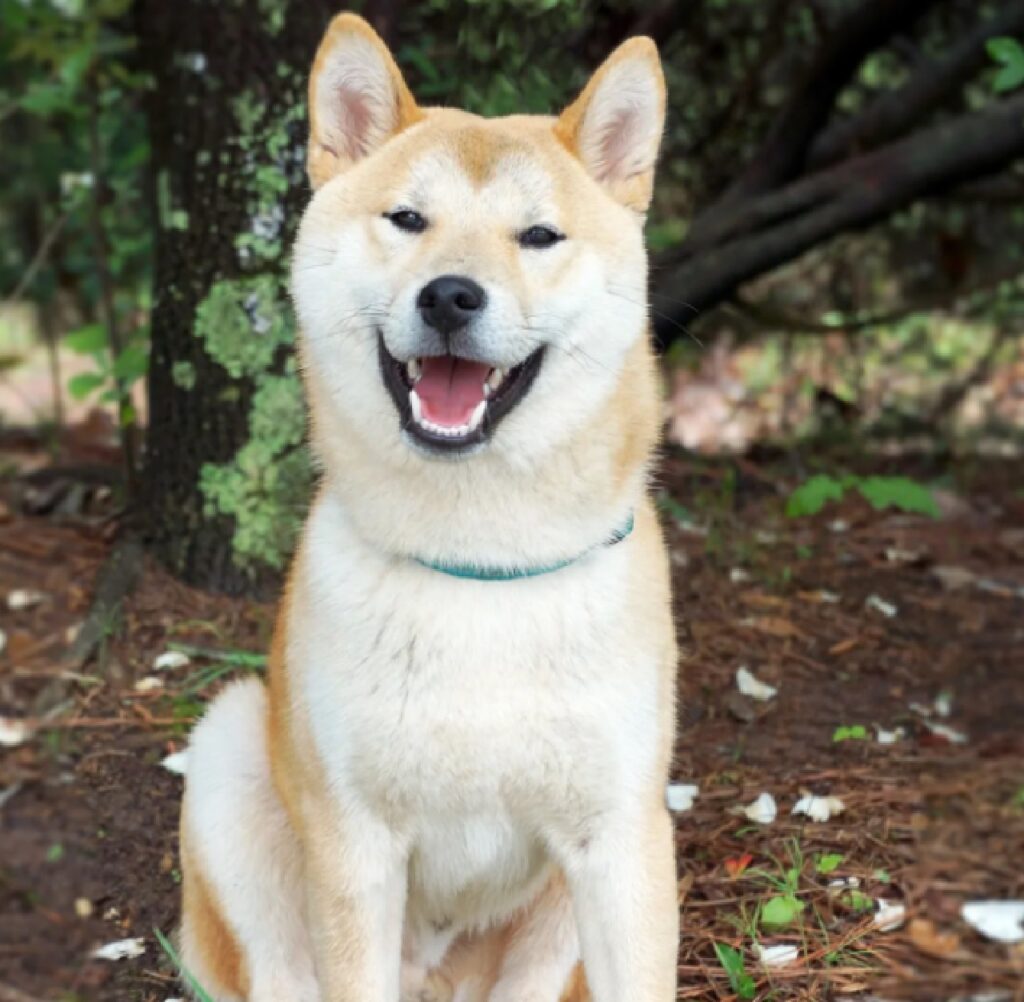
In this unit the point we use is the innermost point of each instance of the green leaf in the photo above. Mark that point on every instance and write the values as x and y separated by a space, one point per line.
55 853
901 493
829 862
859 901
84 384
1009 78
131 364
1005 49
854 732
87 340
732 963
809 498
781 910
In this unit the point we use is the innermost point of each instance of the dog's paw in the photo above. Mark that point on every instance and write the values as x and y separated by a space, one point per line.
436 988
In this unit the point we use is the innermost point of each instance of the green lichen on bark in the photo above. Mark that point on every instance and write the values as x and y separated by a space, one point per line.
246 325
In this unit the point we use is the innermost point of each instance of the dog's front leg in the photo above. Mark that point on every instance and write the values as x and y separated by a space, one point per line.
356 877
623 885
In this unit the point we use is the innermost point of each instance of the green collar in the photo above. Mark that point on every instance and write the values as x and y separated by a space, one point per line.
474 572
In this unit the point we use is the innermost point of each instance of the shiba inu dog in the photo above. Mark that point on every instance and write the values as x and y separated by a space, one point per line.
452 787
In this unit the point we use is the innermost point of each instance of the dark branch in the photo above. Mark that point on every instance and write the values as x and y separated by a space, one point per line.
898 110
860 32
775 228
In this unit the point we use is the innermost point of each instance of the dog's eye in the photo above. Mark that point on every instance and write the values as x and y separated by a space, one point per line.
539 236
408 220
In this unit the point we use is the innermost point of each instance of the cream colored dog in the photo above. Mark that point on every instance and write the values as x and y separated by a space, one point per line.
453 787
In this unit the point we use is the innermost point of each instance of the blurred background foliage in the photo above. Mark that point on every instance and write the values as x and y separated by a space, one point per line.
836 236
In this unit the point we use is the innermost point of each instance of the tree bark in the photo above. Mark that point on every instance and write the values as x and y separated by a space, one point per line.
204 58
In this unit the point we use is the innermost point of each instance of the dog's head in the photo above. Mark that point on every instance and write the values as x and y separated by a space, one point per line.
466 284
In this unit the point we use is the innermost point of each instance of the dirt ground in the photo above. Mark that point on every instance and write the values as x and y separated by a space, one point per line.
88 843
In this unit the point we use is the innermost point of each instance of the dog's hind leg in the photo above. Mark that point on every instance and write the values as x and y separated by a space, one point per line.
243 935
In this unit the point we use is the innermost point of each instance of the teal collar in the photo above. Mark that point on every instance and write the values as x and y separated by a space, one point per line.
476 572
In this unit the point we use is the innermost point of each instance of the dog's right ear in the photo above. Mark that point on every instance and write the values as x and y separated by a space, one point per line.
357 98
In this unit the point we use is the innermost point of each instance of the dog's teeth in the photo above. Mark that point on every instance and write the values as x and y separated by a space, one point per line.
414 369
494 380
416 407
477 416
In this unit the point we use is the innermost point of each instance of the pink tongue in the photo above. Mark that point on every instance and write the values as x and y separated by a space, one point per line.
450 389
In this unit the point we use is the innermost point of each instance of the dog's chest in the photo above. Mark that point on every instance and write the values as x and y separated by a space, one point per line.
437 698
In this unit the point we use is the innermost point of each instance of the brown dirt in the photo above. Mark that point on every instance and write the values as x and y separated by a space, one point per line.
93 816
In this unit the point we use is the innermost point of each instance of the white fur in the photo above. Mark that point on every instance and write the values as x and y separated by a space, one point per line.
246 848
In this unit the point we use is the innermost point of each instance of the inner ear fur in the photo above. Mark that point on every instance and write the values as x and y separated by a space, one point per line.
614 127
358 98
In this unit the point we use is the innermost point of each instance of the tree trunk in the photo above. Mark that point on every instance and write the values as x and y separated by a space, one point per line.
227 126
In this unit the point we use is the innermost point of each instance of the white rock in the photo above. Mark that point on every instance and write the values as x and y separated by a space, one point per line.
777 956
889 915
839 525
879 604
999 920
818 808
738 575
121 949
762 810
23 598
176 762
753 687
14 732
148 684
679 797
171 659
943 704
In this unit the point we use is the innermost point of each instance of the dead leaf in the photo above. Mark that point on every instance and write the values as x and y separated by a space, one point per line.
928 939
736 865
774 626
844 646
749 685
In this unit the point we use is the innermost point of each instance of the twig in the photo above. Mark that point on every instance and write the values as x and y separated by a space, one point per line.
38 260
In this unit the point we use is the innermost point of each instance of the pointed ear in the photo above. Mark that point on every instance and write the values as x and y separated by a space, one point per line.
357 98
614 127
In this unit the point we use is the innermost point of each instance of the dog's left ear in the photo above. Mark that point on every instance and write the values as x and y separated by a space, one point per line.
358 98
614 127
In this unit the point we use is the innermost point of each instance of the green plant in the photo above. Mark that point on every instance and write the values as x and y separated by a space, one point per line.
850 732
900 493
201 993
1009 54
732 962
784 907
828 863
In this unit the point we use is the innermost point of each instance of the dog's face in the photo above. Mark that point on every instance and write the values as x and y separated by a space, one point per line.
465 283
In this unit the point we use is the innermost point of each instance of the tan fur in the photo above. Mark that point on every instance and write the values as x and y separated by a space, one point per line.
599 467
223 965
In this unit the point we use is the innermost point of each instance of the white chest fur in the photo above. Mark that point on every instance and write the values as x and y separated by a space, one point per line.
483 722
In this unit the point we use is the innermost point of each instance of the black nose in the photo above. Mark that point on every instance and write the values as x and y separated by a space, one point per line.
449 302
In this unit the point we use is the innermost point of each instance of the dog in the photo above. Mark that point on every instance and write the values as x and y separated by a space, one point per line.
451 787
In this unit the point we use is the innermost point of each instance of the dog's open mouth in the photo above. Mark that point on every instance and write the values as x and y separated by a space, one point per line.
450 403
